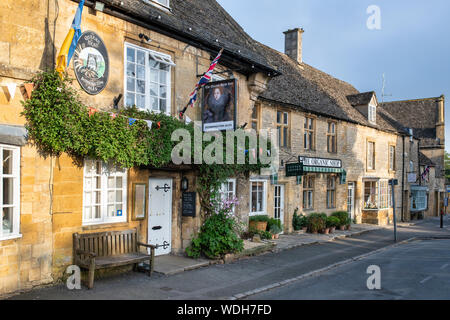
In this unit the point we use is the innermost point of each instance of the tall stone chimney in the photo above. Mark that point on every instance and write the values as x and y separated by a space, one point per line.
440 121
293 44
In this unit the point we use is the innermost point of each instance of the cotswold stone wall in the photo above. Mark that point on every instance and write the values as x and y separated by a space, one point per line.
49 219
351 149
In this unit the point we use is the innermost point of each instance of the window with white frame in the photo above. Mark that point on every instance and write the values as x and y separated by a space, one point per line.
372 113
377 195
10 192
228 190
147 79
258 197
392 158
164 3
419 198
104 193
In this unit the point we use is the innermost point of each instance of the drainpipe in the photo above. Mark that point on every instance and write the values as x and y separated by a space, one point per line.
403 180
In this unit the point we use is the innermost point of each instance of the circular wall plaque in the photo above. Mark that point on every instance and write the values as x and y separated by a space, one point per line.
91 63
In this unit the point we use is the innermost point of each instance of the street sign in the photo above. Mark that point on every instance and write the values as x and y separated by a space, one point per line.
393 182
294 169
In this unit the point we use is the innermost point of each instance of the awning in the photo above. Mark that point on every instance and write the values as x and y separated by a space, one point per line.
14 135
323 170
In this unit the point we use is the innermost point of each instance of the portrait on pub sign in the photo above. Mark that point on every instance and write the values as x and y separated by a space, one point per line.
219 106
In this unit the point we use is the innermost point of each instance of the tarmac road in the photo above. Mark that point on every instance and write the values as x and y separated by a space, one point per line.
225 281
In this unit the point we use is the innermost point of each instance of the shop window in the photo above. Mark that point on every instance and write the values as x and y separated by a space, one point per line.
392 158
419 200
10 192
370 155
308 139
104 193
258 197
331 138
331 192
308 192
283 129
148 79
377 195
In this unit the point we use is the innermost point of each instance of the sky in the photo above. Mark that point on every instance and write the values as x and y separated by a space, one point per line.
412 48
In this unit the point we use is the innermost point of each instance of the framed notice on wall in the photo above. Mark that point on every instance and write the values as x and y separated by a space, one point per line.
139 201
219 107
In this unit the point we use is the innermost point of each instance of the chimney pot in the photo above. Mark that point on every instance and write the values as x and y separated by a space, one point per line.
293 44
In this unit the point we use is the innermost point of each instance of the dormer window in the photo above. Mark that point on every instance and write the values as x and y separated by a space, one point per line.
372 113
163 3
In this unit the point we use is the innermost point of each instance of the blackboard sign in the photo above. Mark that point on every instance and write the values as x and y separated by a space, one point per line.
188 204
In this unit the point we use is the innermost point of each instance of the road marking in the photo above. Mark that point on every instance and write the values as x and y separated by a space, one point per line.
444 266
426 279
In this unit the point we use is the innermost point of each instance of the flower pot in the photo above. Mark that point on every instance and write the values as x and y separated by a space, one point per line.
304 229
342 228
258 225
332 229
326 231
349 227
276 236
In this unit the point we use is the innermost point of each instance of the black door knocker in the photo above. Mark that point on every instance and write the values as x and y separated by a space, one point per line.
166 188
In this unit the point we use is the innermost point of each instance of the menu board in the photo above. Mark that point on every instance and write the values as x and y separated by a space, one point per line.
189 204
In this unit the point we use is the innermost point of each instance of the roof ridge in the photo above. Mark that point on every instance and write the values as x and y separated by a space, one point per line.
411 100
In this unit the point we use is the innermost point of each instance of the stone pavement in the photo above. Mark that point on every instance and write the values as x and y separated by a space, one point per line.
170 265
290 241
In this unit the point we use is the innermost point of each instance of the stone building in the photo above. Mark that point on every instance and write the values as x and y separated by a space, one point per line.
50 199
350 144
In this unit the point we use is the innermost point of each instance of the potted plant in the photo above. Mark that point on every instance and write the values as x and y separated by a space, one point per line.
343 218
349 224
275 230
304 223
332 223
316 223
259 222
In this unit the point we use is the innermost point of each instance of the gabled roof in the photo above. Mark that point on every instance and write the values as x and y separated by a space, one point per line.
195 21
361 98
311 90
425 161
420 115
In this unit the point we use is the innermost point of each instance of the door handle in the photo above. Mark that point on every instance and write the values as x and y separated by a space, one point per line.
157 228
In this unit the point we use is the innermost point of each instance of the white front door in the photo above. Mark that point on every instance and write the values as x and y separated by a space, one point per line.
351 199
279 203
160 215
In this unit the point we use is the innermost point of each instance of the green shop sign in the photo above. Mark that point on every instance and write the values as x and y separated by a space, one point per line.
294 169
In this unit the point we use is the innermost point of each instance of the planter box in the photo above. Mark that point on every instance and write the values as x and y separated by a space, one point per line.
260 226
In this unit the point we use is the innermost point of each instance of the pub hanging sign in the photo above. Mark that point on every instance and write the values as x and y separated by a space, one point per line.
91 63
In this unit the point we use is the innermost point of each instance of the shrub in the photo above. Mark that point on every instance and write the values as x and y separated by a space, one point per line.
275 229
332 222
342 216
217 237
260 218
265 235
299 221
316 222
273 223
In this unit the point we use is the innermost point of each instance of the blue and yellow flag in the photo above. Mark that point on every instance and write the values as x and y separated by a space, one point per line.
70 43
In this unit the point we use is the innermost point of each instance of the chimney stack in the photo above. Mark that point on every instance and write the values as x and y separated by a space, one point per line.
293 44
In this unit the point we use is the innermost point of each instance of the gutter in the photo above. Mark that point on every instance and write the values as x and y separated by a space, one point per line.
155 25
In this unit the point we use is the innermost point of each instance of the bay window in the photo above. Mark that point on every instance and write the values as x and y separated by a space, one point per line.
419 198
10 192
104 193
147 79
377 195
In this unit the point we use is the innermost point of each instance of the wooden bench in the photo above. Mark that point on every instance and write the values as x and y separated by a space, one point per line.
93 251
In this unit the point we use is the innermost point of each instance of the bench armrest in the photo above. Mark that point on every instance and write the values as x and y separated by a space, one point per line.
146 245
89 254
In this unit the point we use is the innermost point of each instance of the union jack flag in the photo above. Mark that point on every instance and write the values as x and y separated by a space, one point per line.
204 80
